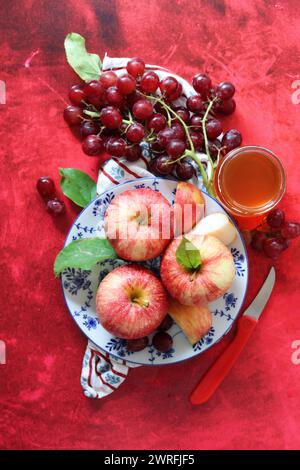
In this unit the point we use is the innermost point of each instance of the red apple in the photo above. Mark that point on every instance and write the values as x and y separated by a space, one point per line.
138 224
131 302
204 285
194 320
188 207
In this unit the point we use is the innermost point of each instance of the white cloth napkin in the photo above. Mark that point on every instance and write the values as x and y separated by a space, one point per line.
101 372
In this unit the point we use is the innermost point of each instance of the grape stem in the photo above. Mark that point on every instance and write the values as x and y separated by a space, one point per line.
210 105
101 130
191 153
169 117
92 114
220 150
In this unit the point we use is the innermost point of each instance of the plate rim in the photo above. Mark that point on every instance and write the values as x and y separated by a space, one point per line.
199 352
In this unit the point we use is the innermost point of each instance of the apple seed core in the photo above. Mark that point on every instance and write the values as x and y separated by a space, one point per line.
138 296
142 218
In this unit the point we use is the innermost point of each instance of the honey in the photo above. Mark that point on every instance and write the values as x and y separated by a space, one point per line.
249 182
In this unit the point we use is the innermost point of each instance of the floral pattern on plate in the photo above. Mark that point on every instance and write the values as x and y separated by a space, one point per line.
79 286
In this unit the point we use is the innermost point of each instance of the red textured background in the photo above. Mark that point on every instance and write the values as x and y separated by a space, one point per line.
256 45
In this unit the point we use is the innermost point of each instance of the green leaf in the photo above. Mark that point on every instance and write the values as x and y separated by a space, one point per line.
93 114
87 66
188 255
77 186
83 253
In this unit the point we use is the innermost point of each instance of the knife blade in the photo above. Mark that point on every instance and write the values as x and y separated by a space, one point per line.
245 326
258 304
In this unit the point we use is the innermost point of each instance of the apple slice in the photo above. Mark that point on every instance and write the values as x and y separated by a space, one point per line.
188 207
218 225
195 321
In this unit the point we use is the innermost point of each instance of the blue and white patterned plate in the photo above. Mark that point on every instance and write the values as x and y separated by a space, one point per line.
79 287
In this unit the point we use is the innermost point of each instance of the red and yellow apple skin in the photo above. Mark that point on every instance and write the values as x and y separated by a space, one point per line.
135 230
213 279
194 320
131 302
189 206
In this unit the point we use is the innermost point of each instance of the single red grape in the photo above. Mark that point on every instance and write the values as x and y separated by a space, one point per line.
116 146
175 148
272 248
291 229
133 153
164 165
284 242
157 122
197 139
164 136
257 240
178 131
166 323
89 128
162 341
136 345
92 145
111 117
142 109
149 82
77 95
196 122
168 86
45 186
73 115
183 113
202 84
225 107
174 96
231 139
225 90
55 206
94 90
275 218
108 79
114 97
135 67
184 170
126 84
135 132
213 128
195 104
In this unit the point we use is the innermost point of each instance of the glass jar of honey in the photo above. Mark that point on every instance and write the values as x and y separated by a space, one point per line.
249 182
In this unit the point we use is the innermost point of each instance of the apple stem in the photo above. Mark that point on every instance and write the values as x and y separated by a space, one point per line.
142 303
193 275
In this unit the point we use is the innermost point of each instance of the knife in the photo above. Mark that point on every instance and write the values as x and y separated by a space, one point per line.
245 326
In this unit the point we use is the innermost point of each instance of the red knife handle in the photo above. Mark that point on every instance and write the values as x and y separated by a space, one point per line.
218 371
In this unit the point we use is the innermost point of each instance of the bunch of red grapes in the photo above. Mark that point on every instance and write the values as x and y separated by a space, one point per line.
274 236
116 114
